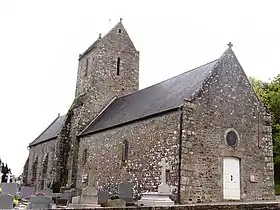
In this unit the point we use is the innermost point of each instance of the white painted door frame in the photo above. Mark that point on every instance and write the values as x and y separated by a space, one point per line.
231 178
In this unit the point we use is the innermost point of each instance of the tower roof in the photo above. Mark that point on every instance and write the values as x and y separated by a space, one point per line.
115 29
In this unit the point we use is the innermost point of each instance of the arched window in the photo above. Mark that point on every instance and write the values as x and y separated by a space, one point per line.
34 170
124 152
45 165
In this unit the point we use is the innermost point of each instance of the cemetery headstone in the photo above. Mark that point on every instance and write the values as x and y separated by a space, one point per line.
9 176
40 202
88 199
26 192
163 187
103 196
13 179
1 174
61 202
126 192
9 188
6 201
69 194
160 198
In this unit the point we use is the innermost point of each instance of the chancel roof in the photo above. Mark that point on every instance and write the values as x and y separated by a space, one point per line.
155 99
50 132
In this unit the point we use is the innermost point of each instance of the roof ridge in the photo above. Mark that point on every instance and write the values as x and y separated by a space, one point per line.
164 95
98 40
169 78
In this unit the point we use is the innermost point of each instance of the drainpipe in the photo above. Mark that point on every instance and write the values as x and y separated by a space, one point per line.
180 155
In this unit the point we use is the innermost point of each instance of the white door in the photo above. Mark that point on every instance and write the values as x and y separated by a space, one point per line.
231 178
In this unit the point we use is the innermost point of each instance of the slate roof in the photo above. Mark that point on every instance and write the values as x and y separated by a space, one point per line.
50 132
163 96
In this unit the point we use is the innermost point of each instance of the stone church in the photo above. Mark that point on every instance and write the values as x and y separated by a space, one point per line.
207 122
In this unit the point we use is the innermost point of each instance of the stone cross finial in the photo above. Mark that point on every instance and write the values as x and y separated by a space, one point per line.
164 167
100 36
230 45
121 19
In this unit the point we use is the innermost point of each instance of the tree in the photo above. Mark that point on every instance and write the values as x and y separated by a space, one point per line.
269 94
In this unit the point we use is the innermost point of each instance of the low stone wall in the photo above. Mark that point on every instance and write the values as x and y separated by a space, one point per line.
226 206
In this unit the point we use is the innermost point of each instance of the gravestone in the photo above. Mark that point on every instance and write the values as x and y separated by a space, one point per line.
103 196
9 176
163 187
161 197
61 202
13 179
1 174
126 192
69 194
40 202
47 192
26 192
88 199
9 188
6 201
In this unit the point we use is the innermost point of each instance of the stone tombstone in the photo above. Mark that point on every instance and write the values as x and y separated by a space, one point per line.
103 196
88 198
61 202
160 198
26 192
6 201
1 175
13 179
48 192
9 176
126 192
9 188
40 202
163 187
69 194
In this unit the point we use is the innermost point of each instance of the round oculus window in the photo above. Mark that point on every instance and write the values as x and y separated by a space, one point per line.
231 138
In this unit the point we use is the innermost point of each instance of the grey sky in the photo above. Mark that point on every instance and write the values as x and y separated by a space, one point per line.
40 42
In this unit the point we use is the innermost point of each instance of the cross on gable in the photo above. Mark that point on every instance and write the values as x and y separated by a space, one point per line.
164 167
230 45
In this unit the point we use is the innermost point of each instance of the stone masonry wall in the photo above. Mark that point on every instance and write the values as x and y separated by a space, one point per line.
226 101
40 151
149 141
97 84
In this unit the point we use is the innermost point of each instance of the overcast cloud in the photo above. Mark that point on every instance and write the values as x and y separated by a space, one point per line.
40 42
